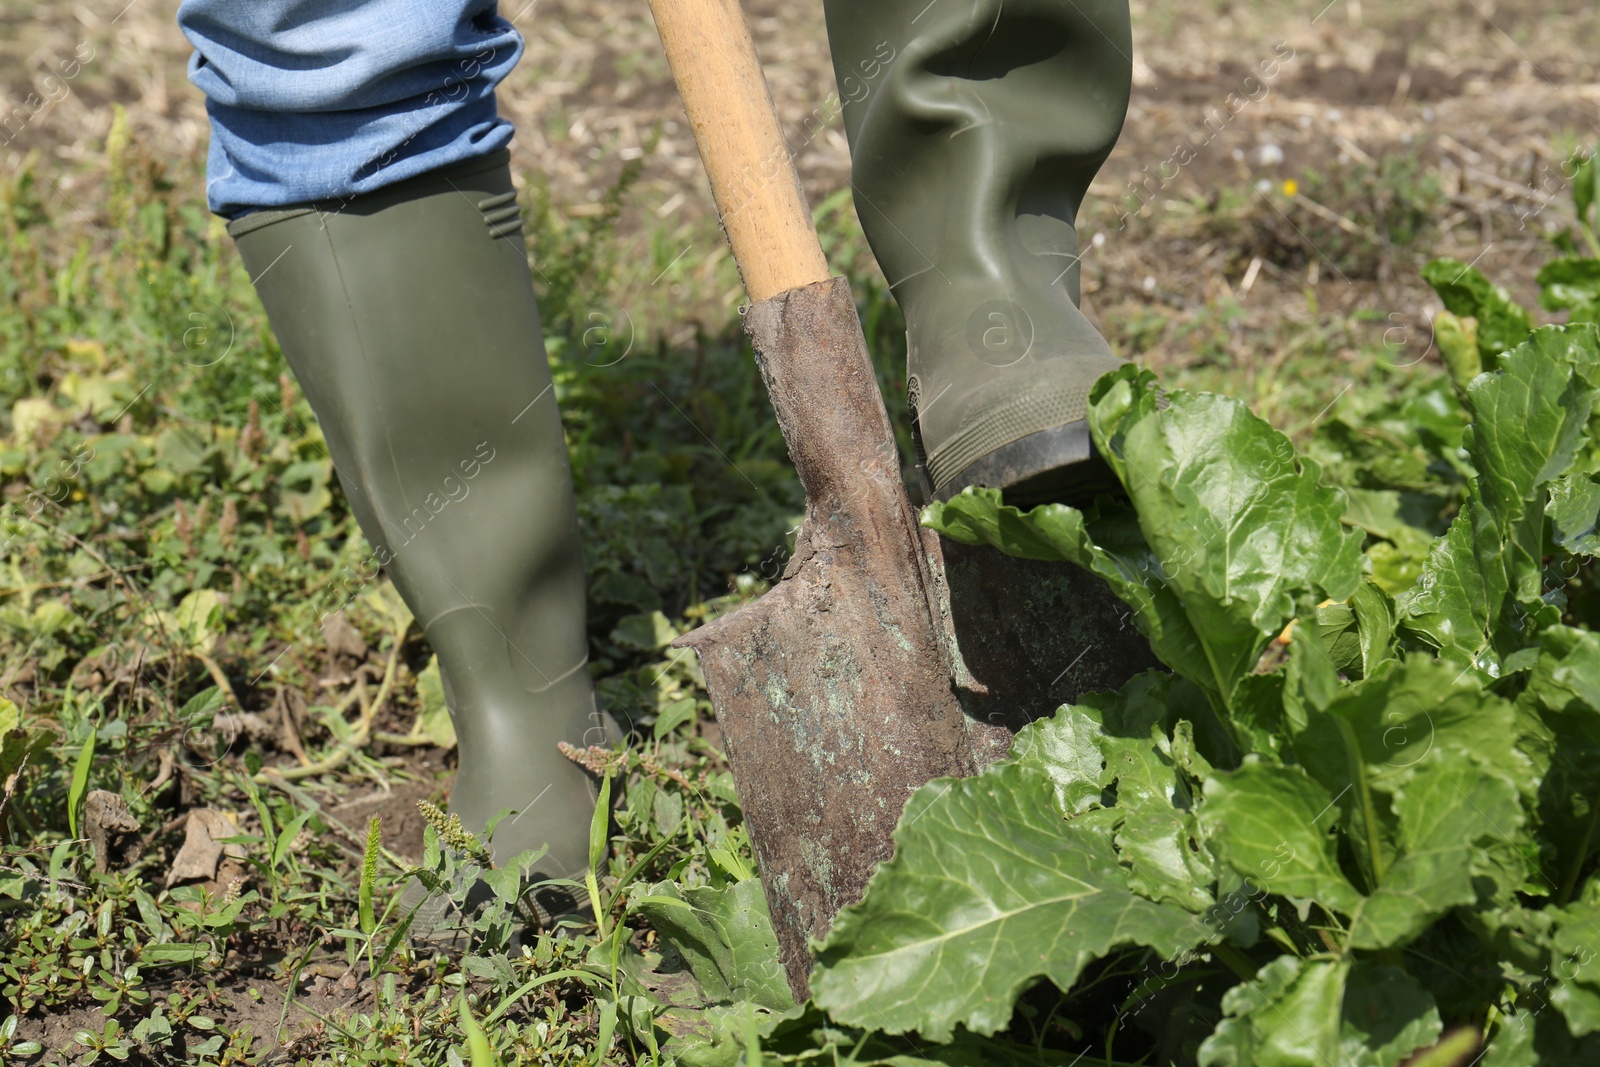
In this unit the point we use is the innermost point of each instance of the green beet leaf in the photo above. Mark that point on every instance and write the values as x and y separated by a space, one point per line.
1083 747
1235 536
1575 966
1563 695
988 890
1272 825
1068 749
1358 637
1379 733
725 939
1574 514
1460 592
1479 596
1118 745
1444 813
1457 339
1375 630
1318 1012
1414 769
1245 532
1573 285
1529 425
1538 1038
726 978
1502 322
1418 761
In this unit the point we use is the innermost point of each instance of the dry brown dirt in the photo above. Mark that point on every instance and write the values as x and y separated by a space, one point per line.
1488 94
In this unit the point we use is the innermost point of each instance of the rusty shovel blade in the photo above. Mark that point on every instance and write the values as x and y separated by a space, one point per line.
833 689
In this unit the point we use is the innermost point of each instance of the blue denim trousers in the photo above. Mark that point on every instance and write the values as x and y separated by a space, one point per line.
327 99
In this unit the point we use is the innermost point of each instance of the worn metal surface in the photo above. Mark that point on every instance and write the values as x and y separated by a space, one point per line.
833 689
885 657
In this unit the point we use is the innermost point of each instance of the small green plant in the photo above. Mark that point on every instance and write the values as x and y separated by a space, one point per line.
10 1047
108 1041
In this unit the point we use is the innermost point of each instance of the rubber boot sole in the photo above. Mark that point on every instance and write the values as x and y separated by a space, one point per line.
1056 466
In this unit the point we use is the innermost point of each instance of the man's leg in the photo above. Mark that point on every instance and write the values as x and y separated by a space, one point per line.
321 101
391 264
975 129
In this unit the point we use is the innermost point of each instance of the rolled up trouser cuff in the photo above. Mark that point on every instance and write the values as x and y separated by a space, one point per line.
346 100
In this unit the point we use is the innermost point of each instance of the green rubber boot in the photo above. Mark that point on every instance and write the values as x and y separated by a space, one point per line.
975 130
409 319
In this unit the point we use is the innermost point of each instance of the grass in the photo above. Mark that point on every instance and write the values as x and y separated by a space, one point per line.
173 538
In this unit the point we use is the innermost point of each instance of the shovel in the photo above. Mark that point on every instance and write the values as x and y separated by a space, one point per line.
833 689
844 688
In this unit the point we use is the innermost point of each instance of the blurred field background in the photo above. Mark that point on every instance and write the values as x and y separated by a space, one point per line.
1430 124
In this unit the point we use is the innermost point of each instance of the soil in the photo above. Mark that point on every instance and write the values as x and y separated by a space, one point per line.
1487 95
256 1006
402 823
252 993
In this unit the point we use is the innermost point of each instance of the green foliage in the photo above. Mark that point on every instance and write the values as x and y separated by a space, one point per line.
369 875
1359 819
1322 1011
1397 198
174 539
1572 285
1483 582
715 973
1227 539
80 782
987 891
1400 196
1350 825
1502 322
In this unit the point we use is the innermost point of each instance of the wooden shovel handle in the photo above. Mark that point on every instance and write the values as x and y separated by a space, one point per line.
752 176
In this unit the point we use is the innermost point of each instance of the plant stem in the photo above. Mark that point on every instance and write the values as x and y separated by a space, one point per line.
1236 961
1569 882
294 978
400 739
218 676
1452 1049
1369 813
1589 236
358 737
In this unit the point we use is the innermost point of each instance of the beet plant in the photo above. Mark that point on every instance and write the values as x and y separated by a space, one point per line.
1357 819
